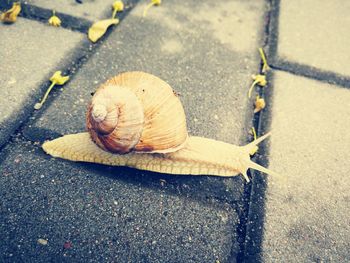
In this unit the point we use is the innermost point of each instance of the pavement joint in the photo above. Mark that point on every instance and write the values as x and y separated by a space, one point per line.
252 197
272 37
262 121
311 72
70 22
42 15
256 203
254 193
257 178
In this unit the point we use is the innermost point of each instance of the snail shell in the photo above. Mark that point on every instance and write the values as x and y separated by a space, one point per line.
136 111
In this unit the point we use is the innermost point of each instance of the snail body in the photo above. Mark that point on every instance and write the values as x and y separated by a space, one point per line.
149 133
199 156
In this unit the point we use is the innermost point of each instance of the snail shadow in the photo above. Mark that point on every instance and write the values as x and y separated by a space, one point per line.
190 186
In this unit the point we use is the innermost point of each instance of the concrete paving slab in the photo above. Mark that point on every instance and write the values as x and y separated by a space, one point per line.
315 33
191 47
89 9
307 217
30 52
86 214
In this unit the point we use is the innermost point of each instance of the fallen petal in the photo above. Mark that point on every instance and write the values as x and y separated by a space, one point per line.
55 21
58 78
259 104
10 16
98 29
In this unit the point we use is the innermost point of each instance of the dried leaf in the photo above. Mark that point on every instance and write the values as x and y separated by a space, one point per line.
258 79
98 29
10 16
259 104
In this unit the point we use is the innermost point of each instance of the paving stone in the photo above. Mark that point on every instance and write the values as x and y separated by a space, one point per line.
307 217
89 9
30 52
191 47
315 33
89 216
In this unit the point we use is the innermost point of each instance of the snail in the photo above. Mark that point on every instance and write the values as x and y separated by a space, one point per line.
135 119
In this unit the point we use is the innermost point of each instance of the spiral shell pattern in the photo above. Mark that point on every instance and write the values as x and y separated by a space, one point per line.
136 111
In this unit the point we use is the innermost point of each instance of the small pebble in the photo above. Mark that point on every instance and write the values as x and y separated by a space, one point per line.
67 245
42 241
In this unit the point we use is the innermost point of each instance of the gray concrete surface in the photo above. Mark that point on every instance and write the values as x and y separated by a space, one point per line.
307 217
209 67
85 212
30 53
88 213
315 33
206 51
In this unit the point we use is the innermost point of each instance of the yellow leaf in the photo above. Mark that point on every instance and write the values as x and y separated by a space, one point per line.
10 16
99 28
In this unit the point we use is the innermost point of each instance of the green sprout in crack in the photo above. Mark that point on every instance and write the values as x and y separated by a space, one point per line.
265 66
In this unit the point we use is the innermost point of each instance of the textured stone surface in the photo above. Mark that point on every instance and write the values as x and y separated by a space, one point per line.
30 52
307 216
88 213
191 50
316 33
